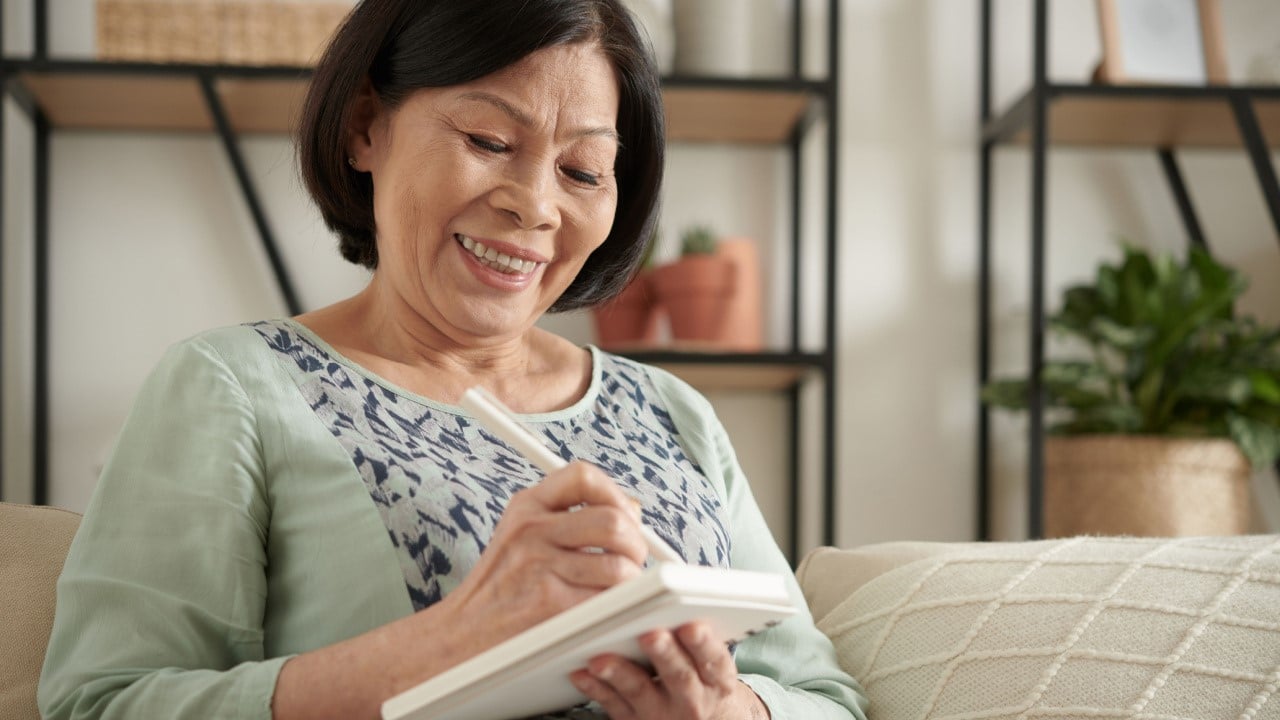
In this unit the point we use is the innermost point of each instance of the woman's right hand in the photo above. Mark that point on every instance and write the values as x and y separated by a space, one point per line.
537 563
535 566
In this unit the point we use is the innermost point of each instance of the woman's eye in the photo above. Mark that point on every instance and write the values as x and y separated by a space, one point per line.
486 144
582 176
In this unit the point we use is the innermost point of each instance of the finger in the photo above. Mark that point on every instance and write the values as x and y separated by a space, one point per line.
594 570
632 683
595 689
580 483
709 654
673 665
599 526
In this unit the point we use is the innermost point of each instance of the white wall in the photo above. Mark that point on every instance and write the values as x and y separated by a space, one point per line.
151 243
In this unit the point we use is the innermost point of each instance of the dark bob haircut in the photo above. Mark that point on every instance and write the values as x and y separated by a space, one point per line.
404 45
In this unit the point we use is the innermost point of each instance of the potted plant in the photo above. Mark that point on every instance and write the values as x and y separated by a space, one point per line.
1153 432
696 289
743 329
631 318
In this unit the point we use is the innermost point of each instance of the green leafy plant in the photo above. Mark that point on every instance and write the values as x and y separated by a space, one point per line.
1167 356
698 240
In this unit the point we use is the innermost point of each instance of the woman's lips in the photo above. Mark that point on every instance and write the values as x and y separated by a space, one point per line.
492 257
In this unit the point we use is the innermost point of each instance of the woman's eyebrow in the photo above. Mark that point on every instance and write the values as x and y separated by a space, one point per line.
522 118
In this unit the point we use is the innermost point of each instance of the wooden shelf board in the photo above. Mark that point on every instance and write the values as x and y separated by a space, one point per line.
709 377
263 106
119 102
732 115
134 100
709 367
1151 122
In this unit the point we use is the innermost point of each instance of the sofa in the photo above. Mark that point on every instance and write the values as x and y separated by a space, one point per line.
1082 628
33 543
1087 627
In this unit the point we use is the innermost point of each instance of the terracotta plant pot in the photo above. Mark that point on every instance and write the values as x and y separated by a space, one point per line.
1147 486
631 318
744 323
696 291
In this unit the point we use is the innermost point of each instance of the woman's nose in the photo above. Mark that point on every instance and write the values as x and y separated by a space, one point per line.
527 195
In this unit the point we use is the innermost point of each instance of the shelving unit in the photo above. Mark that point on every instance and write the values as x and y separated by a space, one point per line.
1160 119
91 95
231 100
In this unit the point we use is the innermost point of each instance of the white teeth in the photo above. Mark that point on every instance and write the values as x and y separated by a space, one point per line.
496 260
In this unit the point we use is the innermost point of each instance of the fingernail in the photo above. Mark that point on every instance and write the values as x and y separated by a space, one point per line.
636 507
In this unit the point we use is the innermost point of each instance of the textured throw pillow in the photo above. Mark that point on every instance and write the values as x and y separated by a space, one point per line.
1154 629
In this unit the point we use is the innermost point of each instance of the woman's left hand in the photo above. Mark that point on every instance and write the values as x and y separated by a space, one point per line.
695 680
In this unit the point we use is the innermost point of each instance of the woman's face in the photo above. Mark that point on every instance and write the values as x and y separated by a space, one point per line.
489 196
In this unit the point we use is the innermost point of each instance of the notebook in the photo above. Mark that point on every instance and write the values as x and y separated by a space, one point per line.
529 674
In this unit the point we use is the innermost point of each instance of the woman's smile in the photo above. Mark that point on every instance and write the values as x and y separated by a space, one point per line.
498 264
488 253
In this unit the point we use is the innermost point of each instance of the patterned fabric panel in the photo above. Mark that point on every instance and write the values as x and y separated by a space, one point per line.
441 482
1076 629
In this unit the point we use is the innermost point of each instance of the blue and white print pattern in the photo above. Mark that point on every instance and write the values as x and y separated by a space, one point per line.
441 482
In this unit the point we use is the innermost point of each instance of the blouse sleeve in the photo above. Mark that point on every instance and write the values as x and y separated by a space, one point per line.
160 603
792 667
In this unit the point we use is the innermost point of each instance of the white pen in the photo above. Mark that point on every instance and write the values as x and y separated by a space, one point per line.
499 420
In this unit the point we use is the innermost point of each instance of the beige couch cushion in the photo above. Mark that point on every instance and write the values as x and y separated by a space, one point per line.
1079 628
33 545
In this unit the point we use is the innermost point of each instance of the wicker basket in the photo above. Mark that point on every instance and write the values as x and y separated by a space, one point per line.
159 30
1150 486
250 32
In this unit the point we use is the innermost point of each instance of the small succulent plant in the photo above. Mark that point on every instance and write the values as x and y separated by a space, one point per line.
698 240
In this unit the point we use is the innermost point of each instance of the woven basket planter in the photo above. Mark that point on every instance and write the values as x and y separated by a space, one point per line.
158 30
1146 486
249 32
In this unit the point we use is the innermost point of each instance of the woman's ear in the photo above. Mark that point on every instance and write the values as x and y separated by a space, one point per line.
366 112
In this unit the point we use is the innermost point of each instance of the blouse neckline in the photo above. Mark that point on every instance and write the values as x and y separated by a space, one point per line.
578 407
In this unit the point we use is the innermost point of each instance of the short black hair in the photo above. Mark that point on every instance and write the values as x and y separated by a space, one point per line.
401 46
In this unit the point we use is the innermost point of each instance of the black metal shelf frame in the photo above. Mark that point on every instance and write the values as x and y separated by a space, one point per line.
824 106
1031 112
15 65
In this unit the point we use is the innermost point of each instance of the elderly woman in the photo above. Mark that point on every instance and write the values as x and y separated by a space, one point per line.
300 522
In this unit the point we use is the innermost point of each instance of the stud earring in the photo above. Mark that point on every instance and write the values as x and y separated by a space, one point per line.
351 161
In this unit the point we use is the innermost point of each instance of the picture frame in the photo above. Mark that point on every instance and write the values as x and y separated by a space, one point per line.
1161 42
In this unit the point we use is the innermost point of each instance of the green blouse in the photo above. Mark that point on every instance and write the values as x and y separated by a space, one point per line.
231 530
